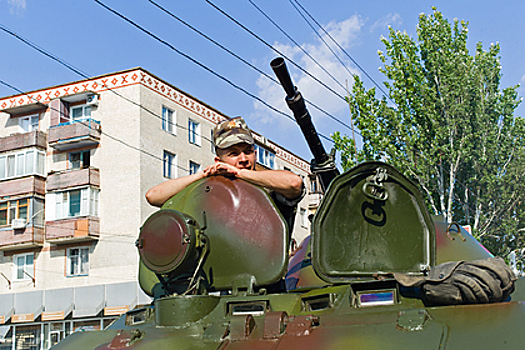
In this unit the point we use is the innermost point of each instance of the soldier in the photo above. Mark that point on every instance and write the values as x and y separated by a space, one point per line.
235 157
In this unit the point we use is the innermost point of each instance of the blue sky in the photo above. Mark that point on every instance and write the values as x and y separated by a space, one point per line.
97 42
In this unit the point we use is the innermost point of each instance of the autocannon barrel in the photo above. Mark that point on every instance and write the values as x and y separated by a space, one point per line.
323 164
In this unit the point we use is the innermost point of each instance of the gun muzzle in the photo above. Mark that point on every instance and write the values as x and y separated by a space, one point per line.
279 67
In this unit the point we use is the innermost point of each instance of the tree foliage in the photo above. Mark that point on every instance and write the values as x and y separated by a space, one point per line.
452 129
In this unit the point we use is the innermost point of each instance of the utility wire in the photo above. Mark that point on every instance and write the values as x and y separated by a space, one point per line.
274 49
340 47
296 44
244 61
322 39
81 73
161 159
142 29
360 68
87 125
86 76
201 65
69 66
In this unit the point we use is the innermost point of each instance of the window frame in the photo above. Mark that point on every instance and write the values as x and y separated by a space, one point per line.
14 164
30 122
314 185
194 132
86 112
12 210
169 165
82 265
38 206
194 167
81 161
303 216
213 151
265 157
88 203
169 120
28 268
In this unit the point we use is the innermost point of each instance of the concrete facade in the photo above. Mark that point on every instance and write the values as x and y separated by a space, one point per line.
75 162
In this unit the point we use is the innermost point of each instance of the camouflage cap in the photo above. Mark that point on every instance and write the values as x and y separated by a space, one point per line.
231 132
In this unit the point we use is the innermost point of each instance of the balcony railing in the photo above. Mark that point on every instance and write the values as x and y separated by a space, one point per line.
72 178
77 229
27 237
23 140
26 185
74 134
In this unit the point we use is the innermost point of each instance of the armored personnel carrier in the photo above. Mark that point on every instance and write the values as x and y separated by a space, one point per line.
377 272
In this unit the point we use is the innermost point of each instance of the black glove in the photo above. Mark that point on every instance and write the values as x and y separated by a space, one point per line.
464 282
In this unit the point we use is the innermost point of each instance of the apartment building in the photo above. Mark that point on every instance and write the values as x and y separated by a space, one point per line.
75 162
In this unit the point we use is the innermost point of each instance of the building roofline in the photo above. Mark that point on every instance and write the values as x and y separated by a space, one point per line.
280 151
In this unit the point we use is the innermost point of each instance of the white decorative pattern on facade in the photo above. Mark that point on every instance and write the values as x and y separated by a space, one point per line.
110 82
179 98
127 78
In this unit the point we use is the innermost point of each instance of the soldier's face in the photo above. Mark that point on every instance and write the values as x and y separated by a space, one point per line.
241 156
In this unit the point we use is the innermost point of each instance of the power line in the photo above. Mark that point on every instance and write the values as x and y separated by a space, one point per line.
297 44
245 61
118 14
85 124
340 47
81 73
86 76
201 64
274 49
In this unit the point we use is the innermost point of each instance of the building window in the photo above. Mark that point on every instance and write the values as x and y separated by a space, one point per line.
170 165
265 157
194 132
212 143
15 209
38 212
91 325
168 120
27 337
79 160
73 203
78 261
314 186
80 112
194 168
29 123
54 333
22 163
303 217
23 267
6 337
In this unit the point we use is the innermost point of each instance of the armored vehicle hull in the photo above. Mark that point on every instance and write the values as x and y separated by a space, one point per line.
342 303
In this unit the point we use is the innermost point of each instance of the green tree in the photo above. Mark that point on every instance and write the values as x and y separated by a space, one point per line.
452 129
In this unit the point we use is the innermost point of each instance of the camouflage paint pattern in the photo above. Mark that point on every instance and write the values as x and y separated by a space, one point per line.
318 312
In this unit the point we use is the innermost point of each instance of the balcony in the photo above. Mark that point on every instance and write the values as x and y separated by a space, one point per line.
21 186
74 134
73 230
72 178
29 237
23 140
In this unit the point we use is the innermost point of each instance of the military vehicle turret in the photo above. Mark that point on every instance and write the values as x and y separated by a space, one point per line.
375 273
